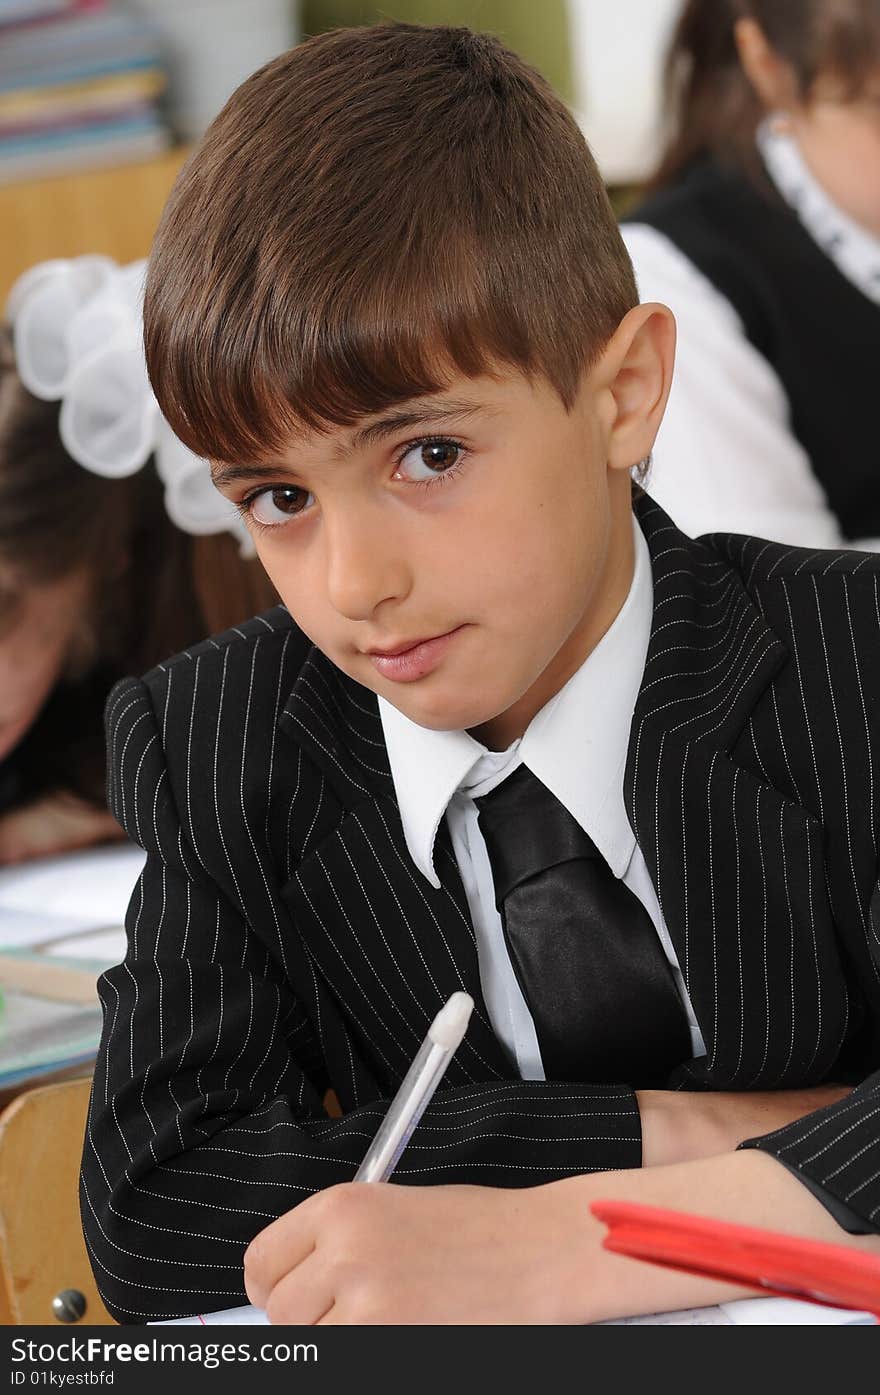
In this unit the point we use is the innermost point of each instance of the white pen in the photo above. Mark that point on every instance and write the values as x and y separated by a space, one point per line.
419 1084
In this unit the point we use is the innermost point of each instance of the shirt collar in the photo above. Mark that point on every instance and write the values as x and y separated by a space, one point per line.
853 249
577 744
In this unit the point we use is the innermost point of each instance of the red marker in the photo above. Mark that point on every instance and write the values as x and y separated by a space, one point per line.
811 1270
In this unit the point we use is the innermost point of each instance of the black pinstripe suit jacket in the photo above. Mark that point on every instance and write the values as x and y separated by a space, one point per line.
280 939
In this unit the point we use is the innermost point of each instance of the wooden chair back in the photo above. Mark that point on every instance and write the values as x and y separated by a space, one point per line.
42 1252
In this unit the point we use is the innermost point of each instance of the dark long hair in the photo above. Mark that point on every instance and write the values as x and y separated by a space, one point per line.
154 589
710 104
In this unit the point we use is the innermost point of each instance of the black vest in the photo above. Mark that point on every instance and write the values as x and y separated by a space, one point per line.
821 334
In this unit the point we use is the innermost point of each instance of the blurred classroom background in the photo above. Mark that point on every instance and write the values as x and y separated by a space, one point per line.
101 99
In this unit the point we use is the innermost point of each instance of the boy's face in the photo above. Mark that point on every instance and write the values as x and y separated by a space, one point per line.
478 530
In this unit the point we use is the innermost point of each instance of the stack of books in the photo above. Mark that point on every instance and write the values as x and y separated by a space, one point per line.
80 82
60 927
51 1030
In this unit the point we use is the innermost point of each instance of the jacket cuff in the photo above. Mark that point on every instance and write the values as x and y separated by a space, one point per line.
835 1153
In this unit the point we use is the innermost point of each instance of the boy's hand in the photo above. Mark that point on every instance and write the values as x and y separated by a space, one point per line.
380 1253
681 1126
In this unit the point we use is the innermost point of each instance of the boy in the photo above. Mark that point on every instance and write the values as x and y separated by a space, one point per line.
388 300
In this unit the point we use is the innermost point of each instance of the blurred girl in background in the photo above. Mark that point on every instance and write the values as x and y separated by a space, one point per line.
102 568
761 230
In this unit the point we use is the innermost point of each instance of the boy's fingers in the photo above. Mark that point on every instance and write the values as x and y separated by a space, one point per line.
276 1251
301 1297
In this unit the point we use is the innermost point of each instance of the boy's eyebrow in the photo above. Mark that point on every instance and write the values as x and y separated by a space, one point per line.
221 475
373 431
393 421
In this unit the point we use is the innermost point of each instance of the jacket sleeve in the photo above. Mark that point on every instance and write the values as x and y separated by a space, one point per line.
206 1119
835 1152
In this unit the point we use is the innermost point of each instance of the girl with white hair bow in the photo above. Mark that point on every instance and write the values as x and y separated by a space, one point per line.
115 550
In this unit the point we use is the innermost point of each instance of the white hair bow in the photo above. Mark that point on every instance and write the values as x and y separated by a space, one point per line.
78 334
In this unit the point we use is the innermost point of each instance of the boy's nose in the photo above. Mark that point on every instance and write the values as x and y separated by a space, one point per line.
366 565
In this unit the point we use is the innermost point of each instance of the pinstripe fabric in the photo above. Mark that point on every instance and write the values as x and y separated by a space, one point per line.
280 939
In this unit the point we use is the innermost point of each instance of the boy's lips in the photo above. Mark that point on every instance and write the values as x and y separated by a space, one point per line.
412 659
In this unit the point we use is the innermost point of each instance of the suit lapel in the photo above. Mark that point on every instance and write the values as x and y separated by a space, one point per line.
336 721
738 868
389 946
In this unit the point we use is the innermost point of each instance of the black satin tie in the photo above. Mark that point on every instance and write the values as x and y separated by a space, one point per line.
584 949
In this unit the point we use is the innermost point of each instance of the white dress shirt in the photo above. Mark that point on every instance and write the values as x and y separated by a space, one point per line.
577 746
725 456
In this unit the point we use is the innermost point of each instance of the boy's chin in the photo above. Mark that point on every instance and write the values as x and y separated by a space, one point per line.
436 715
438 703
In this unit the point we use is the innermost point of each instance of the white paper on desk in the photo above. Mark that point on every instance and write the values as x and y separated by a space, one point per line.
235 1316
771 1312
751 1312
77 891
745 1312
683 1317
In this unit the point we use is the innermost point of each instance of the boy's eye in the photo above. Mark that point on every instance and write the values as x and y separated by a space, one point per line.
427 459
279 505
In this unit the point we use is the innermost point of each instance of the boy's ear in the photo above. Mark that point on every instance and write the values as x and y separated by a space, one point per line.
633 378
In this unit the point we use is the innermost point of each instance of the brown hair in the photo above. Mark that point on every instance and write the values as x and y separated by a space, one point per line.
370 211
712 108
155 589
